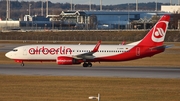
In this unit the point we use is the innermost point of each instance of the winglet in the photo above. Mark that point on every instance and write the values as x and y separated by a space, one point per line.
96 48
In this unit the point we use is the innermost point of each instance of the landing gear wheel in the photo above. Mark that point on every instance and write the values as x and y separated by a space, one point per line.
89 64
85 64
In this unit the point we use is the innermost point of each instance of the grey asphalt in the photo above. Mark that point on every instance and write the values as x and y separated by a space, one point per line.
96 71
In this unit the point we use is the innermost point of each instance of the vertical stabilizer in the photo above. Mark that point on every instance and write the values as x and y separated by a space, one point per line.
156 35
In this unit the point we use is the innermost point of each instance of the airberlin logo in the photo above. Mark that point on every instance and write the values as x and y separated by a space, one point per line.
52 51
159 31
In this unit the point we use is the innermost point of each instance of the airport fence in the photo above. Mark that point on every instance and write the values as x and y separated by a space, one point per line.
66 38
84 35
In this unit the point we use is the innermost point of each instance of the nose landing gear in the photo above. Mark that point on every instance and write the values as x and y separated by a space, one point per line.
22 64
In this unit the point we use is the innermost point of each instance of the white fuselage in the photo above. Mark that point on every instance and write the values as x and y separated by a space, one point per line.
51 52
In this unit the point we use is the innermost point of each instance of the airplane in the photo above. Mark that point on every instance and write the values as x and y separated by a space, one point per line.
64 54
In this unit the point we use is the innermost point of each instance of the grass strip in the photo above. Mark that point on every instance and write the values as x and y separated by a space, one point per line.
54 88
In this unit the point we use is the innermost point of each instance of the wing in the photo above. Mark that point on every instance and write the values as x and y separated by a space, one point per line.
88 55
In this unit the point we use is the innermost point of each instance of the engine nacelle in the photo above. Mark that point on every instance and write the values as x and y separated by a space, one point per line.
63 60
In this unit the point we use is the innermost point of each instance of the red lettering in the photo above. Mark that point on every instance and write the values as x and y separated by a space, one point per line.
41 49
52 51
46 51
64 50
68 50
57 50
37 51
32 51
60 50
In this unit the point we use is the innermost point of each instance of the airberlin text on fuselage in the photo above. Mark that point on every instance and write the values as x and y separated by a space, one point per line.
52 51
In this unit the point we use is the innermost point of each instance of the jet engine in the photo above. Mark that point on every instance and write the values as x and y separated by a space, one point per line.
63 60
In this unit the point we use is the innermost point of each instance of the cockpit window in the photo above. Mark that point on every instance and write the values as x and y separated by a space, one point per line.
14 50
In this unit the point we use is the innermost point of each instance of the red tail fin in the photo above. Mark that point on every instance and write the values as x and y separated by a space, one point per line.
156 35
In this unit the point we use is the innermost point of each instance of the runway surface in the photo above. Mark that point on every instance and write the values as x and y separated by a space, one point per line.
96 71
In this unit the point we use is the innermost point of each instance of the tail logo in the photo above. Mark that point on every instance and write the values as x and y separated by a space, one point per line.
159 31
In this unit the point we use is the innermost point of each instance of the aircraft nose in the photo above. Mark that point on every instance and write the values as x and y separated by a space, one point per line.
8 54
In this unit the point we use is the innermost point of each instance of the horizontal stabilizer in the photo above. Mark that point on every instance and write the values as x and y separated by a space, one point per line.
161 47
169 46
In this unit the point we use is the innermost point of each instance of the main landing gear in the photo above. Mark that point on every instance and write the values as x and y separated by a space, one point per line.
85 64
